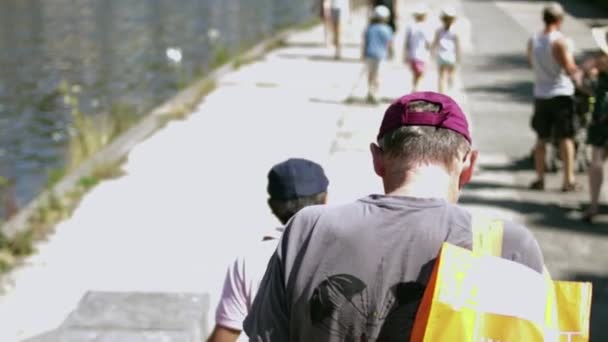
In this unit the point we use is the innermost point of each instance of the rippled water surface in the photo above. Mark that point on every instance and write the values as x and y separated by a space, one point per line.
117 56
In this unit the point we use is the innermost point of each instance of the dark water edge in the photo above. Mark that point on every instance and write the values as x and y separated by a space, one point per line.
120 57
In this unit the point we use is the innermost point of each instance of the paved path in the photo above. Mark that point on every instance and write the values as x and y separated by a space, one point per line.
194 194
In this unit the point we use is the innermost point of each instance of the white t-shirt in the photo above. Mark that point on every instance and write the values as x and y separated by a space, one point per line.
242 281
341 5
419 38
446 46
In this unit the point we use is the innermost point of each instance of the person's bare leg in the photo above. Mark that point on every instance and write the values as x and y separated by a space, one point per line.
566 147
442 76
539 159
370 85
336 29
596 178
416 82
450 77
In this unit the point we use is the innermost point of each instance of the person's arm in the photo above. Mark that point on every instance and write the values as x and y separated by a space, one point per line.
406 46
457 47
222 334
523 246
364 45
395 10
391 48
232 307
435 44
565 59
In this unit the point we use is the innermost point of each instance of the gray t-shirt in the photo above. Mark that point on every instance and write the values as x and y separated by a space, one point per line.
357 272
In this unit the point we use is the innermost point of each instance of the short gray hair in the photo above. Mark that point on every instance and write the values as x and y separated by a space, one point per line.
413 145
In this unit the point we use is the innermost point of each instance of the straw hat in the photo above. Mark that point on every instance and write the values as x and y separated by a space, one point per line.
420 9
600 35
448 12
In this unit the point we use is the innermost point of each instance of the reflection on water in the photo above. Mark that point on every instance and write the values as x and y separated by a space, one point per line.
115 53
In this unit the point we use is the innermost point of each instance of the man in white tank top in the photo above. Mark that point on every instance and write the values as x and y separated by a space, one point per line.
551 58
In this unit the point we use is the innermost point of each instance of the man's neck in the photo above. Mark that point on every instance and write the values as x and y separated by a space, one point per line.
551 28
428 181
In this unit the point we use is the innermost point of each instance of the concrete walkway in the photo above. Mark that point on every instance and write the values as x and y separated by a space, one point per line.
194 194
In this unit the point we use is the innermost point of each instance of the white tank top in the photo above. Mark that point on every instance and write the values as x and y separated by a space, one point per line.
550 78
447 45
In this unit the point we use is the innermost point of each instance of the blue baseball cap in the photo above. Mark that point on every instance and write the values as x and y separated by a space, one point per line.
295 178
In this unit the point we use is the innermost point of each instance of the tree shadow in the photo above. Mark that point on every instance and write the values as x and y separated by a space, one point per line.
504 61
354 101
520 164
480 185
543 214
593 11
322 58
599 304
310 44
520 91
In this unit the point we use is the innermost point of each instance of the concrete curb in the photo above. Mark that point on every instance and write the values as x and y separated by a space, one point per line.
187 99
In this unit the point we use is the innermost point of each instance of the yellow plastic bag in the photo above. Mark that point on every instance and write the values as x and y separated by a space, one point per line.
478 296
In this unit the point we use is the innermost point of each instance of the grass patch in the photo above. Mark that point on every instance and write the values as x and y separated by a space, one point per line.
181 111
221 56
90 133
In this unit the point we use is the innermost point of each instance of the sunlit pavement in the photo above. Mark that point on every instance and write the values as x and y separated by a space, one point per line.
194 194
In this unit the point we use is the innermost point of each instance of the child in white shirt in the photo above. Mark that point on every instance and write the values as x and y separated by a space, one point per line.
447 48
417 45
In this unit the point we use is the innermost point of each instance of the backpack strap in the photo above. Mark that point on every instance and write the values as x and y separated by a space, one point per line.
487 236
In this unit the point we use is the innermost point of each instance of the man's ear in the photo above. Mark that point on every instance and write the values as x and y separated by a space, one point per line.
377 158
468 168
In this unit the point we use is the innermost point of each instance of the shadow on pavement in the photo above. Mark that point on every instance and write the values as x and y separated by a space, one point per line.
544 214
519 91
505 61
589 10
325 58
355 101
508 75
303 44
599 304
520 164
479 185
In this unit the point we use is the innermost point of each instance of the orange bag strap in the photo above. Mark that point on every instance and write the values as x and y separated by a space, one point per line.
487 236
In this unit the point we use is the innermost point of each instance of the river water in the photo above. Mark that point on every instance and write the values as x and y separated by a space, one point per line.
119 56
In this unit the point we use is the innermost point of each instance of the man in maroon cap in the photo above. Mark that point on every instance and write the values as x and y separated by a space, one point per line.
357 272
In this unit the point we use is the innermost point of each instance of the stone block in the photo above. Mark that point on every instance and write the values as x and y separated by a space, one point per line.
134 317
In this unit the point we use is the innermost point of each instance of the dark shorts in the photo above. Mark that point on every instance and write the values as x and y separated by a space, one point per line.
335 15
597 134
554 118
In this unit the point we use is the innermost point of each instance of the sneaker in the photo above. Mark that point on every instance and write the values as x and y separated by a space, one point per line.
574 187
537 185
589 216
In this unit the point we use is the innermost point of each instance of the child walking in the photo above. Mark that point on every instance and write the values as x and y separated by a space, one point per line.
377 43
418 40
447 48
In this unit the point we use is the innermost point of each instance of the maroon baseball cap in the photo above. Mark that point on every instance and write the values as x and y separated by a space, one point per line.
449 116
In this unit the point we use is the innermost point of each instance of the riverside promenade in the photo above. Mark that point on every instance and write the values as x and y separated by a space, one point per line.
193 195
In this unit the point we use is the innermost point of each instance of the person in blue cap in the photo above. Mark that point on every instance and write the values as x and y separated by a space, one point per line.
292 185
